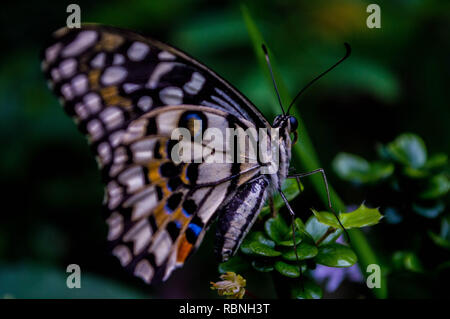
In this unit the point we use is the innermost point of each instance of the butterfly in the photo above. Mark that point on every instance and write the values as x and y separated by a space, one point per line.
127 93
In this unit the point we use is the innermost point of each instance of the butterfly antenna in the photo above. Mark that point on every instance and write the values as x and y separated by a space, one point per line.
347 54
266 54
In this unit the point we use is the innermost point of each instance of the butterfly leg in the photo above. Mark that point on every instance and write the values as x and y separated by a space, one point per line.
291 211
324 177
273 210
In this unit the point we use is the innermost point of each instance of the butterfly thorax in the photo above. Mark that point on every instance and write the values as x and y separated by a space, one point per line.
283 147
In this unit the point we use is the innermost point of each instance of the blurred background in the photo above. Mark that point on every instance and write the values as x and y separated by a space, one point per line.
396 80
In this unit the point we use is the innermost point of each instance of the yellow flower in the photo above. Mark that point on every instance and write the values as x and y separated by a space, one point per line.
232 286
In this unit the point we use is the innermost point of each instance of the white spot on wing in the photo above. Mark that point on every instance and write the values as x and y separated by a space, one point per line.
130 87
113 75
143 150
118 59
195 84
56 76
67 91
123 254
161 247
104 152
95 129
115 225
140 234
52 52
143 203
115 138
138 51
99 61
158 72
83 41
80 84
164 55
67 67
145 103
133 178
112 117
81 111
93 102
114 192
144 271
171 95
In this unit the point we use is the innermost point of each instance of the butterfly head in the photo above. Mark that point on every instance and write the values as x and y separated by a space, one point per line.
287 124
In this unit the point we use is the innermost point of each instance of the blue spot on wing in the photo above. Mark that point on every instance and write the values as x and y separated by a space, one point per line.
195 228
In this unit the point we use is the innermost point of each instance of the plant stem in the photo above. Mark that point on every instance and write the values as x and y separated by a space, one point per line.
329 231
308 160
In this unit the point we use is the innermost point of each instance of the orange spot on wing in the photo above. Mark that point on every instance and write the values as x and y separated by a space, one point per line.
184 249
109 42
94 77
111 96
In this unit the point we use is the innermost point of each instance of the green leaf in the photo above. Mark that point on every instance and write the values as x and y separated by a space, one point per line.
408 149
436 161
260 237
301 228
336 255
236 264
290 242
356 169
262 266
361 217
415 172
316 230
310 290
327 218
351 167
438 186
255 248
277 229
290 190
443 239
438 240
288 270
304 251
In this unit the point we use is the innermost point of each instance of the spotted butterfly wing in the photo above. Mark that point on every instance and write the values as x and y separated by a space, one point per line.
127 93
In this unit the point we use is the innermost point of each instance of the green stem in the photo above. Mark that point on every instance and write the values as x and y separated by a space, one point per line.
308 160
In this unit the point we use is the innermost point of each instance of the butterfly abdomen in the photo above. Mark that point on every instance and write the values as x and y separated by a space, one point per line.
237 216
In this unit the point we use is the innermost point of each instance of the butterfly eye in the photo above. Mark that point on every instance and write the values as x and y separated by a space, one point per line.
293 124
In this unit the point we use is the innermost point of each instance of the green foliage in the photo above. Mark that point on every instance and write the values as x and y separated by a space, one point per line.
361 217
336 255
356 169
310 290
270 246
413 198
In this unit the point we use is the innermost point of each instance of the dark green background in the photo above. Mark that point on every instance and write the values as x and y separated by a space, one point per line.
396 80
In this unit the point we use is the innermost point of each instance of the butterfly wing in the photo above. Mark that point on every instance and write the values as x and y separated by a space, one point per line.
127 93
136 73
158 209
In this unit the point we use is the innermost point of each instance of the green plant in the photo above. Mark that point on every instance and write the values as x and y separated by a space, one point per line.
269 247
411 187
